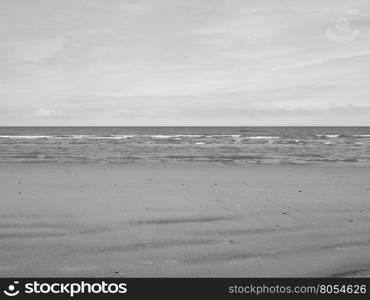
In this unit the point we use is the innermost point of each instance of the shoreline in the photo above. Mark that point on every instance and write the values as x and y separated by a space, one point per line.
71 219
185 164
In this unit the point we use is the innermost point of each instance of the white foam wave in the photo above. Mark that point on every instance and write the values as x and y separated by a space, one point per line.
263 137
18 137
328 135
224 135
172 136
115 137
362 135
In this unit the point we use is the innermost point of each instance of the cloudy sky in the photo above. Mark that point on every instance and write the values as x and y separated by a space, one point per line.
184 62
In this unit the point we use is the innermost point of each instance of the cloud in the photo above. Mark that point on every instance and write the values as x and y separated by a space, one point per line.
34 51
47 112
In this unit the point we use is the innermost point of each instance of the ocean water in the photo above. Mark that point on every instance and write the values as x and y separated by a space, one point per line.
215 145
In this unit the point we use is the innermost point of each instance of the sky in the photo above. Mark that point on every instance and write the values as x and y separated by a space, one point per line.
184 62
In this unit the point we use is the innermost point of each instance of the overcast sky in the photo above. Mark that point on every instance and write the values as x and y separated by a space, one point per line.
188 62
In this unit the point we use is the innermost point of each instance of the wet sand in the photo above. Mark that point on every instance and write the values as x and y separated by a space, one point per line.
184 220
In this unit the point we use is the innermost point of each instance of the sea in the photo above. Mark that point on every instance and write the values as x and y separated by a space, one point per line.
171 145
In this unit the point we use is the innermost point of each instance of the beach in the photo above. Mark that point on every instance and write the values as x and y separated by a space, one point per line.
190 219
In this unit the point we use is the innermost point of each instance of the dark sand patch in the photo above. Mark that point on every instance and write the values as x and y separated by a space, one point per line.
350 273
23 235
345 245
241 232
46 229
36 216
223 257
147 245
166 221
45 225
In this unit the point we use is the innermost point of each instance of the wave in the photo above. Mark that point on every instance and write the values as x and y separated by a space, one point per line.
211 157
114 137
161 136
328 135
223 135
328 160
263 137
63 137
24 137
344 136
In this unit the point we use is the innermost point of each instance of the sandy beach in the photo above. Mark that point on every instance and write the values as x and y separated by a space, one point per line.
184 220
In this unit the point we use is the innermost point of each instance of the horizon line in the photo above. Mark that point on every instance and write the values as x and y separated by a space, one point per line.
127 126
